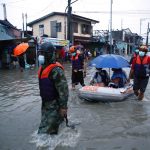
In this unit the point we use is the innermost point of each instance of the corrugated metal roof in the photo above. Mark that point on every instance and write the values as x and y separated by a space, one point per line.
5 29
7 24
3 34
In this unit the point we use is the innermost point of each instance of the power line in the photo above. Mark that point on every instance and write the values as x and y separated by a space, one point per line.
136 12
21 7
47 6
14 2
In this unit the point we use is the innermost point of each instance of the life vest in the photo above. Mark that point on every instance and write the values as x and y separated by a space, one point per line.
77 62
141 67
122 76
48 91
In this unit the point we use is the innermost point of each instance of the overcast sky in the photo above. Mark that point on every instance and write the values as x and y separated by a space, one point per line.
126 13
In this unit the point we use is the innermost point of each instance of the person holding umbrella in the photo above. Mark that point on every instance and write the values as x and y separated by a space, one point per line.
53 90
21 62
141 71
19 51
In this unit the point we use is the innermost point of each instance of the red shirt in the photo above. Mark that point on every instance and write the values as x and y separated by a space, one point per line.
62 53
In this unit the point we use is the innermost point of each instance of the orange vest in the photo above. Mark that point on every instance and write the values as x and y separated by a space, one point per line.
76 57
47 70
143 61
46 85
141 67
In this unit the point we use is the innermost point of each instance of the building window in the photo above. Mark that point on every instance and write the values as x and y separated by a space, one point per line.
58 26
85 29
75 27
41 30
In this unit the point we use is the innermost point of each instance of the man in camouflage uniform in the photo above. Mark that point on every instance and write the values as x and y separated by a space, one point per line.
53 90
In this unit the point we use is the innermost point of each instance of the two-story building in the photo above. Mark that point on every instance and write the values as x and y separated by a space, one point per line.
54 25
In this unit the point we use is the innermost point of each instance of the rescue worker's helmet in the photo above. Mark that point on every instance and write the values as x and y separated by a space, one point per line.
72 49
47 49
143 48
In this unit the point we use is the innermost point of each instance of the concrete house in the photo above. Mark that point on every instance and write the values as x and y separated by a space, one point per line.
55 26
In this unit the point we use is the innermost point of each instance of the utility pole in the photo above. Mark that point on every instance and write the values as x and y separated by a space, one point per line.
69 22
23 25
147 35
110 38
4 9
26 23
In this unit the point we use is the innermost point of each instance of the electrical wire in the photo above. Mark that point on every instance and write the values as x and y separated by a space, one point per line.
9 3
21 7
117 12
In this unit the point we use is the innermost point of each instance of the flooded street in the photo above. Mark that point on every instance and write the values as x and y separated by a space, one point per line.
99 126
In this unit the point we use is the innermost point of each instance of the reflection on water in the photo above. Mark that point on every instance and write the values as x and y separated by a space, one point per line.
103 126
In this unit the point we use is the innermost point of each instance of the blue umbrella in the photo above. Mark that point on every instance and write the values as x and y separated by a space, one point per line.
109 61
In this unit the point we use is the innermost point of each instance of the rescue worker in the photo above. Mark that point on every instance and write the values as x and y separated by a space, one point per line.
78 67
53 90
100 78
118 79
141 70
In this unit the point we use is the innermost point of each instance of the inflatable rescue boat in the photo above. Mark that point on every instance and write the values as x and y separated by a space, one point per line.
105 94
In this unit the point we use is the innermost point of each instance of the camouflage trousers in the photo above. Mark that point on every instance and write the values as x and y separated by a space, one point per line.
50 118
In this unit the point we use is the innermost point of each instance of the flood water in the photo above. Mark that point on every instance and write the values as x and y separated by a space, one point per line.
99 126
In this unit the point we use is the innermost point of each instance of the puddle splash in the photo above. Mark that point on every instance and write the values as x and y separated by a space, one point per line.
66 137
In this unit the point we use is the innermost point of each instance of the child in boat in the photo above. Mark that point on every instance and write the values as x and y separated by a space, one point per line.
100 78
118 79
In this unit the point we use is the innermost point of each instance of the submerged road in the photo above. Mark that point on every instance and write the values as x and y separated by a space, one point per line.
99 126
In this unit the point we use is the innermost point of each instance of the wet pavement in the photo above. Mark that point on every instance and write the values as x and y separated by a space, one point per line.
99 126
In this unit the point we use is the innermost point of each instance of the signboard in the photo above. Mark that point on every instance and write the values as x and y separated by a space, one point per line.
55 41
